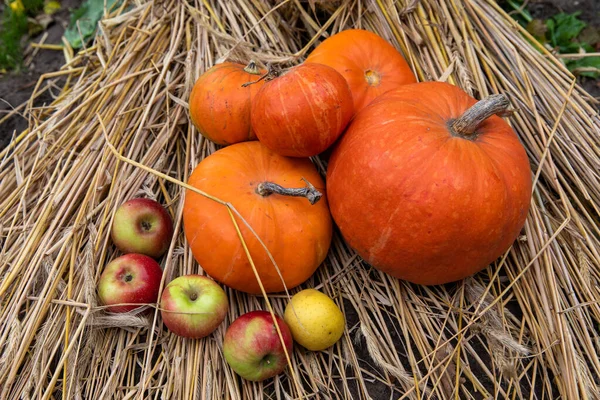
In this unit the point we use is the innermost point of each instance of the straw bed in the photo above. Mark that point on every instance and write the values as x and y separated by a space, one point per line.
526 327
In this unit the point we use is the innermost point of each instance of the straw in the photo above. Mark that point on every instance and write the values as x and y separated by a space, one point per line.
526 327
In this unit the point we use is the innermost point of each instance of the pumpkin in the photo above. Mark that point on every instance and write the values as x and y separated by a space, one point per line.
370 64
302 112
220 104
262 186
429 185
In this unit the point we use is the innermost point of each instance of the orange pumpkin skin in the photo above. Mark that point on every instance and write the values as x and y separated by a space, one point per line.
301 113
220 106
370 64
296 233
419 203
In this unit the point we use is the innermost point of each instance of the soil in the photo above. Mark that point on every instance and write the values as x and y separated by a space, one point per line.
16 88
590 13
590 9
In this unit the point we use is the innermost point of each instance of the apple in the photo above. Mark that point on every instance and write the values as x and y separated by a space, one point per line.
252 347
142 226
315 321
193 306
132 278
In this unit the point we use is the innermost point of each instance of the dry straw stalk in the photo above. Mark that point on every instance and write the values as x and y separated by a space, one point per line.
527 327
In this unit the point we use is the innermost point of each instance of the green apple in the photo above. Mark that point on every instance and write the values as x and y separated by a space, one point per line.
142 226
193 306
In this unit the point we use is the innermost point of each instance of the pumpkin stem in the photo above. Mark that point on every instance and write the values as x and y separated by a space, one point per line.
309 191
372 77
252 68
272 72
467 124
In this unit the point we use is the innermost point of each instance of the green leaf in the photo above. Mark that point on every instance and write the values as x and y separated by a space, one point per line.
85 19
588 66
562 29
14 26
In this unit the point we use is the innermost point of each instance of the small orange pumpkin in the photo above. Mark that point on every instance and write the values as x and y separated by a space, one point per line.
427 186
302 112
296 232
370 65
220 104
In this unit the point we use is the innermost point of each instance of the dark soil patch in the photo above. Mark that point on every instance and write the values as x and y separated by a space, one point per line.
16 88
543 9
590 13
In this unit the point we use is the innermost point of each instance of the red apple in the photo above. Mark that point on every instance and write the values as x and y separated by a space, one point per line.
252 347
132 278
142 226
193 306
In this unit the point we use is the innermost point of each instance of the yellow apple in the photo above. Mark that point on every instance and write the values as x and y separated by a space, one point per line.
315 321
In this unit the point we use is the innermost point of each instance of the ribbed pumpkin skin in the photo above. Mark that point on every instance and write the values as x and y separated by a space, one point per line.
370 64
301 113
418 203
220 106
296 233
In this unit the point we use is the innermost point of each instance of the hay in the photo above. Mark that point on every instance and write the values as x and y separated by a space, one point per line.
525 327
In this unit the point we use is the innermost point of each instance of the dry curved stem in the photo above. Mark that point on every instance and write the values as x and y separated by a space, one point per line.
467 124
230 209
202 193
309 191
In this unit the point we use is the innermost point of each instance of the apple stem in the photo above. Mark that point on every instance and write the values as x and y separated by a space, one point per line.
266 359
309 191
146 225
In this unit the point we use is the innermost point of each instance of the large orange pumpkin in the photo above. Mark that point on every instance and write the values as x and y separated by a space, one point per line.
296 232
220 104
369 63
302 112
425 194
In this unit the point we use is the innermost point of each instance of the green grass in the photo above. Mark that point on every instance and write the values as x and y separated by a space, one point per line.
13 28
564 33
